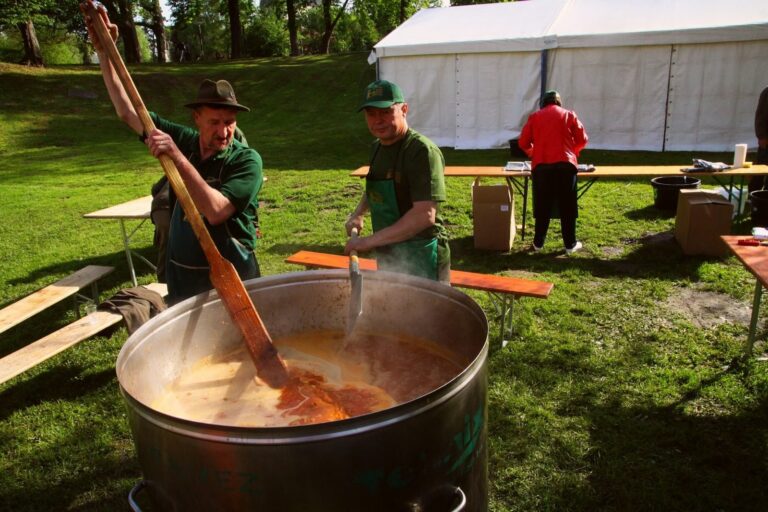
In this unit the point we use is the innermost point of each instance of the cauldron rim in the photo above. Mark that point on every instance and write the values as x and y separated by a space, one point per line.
313 432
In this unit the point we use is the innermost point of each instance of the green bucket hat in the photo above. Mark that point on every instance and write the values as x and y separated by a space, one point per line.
216 94
381 94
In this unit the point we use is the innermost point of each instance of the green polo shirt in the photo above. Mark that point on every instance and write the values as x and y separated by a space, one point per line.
417 167
235 171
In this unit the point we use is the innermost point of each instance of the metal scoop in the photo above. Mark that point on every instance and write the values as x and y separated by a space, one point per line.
356 292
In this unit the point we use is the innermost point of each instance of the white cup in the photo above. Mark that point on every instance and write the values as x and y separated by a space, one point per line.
739 155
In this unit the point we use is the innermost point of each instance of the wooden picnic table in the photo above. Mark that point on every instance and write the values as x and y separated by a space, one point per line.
755 260
135 209
519 179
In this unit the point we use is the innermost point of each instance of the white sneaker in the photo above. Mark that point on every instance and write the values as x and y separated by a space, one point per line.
577 247
536 248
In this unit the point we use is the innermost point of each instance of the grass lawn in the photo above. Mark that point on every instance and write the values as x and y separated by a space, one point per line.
619 392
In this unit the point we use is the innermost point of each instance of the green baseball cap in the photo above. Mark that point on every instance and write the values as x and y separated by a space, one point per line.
381 94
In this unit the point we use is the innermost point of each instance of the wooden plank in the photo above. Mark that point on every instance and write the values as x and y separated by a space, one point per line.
134 209
58 341
473 280
324 260
501 284
52 294
601 171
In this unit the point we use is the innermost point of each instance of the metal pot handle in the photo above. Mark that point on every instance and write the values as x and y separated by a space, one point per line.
143 483
463 497
131 495
441 495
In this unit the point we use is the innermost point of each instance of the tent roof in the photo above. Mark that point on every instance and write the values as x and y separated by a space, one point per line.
539 24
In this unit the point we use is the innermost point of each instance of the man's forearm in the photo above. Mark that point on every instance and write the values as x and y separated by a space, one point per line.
211 203
118 95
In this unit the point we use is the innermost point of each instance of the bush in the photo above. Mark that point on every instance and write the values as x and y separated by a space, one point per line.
58 47
266 35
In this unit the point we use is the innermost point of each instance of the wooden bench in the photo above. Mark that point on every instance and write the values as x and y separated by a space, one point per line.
52 294
503 290
43 349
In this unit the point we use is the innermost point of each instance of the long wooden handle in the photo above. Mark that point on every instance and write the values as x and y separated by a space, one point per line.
224 277
182 194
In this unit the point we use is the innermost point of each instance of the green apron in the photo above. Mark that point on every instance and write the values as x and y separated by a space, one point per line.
187 267
417 256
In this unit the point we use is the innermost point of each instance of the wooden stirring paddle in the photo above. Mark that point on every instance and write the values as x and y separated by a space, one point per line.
269 366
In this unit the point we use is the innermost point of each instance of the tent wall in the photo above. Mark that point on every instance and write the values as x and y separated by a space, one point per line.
429 85
713 95
467 101
494 94
619 94
676 98
650 75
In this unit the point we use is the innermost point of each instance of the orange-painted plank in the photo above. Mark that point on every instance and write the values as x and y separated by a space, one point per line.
473 280
323 260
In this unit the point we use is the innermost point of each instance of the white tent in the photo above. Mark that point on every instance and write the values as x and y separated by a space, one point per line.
641 74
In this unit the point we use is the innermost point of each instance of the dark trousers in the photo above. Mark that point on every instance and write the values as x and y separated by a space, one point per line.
555 185
162 221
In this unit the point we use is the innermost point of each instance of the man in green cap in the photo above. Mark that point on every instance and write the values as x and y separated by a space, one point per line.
403 191
223 177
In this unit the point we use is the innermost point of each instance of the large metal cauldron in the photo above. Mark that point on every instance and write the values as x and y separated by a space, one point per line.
428 454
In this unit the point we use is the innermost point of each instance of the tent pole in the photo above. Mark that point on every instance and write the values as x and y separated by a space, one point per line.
666 103
544 58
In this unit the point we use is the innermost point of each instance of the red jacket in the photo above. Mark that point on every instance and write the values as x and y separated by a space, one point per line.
553 134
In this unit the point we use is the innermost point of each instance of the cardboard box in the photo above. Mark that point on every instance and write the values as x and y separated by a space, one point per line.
493 213
702 216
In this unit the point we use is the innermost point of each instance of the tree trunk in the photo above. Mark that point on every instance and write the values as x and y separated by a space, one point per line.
32 54
235 28
121 14
158 29
292 32
330 25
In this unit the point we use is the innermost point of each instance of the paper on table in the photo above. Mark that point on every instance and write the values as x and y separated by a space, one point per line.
518 166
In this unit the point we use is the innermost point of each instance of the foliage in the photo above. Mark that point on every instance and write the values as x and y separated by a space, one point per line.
201 28
145 45
58 24
266 35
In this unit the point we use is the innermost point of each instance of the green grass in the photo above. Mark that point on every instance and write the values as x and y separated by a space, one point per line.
605 399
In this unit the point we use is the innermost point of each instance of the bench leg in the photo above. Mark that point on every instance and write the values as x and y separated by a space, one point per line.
504 305
90 302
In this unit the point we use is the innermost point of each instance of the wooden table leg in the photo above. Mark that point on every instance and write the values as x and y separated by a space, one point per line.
753 322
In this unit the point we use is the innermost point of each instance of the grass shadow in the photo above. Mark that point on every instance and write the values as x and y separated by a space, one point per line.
62 383
640 457
660 458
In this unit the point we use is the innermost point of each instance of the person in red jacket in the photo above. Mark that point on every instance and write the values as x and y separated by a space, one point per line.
552 138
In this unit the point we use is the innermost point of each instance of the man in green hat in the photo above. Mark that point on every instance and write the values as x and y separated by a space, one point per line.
223 177
403 191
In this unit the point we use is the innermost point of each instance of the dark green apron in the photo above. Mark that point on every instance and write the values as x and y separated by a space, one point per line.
187 268
417 256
